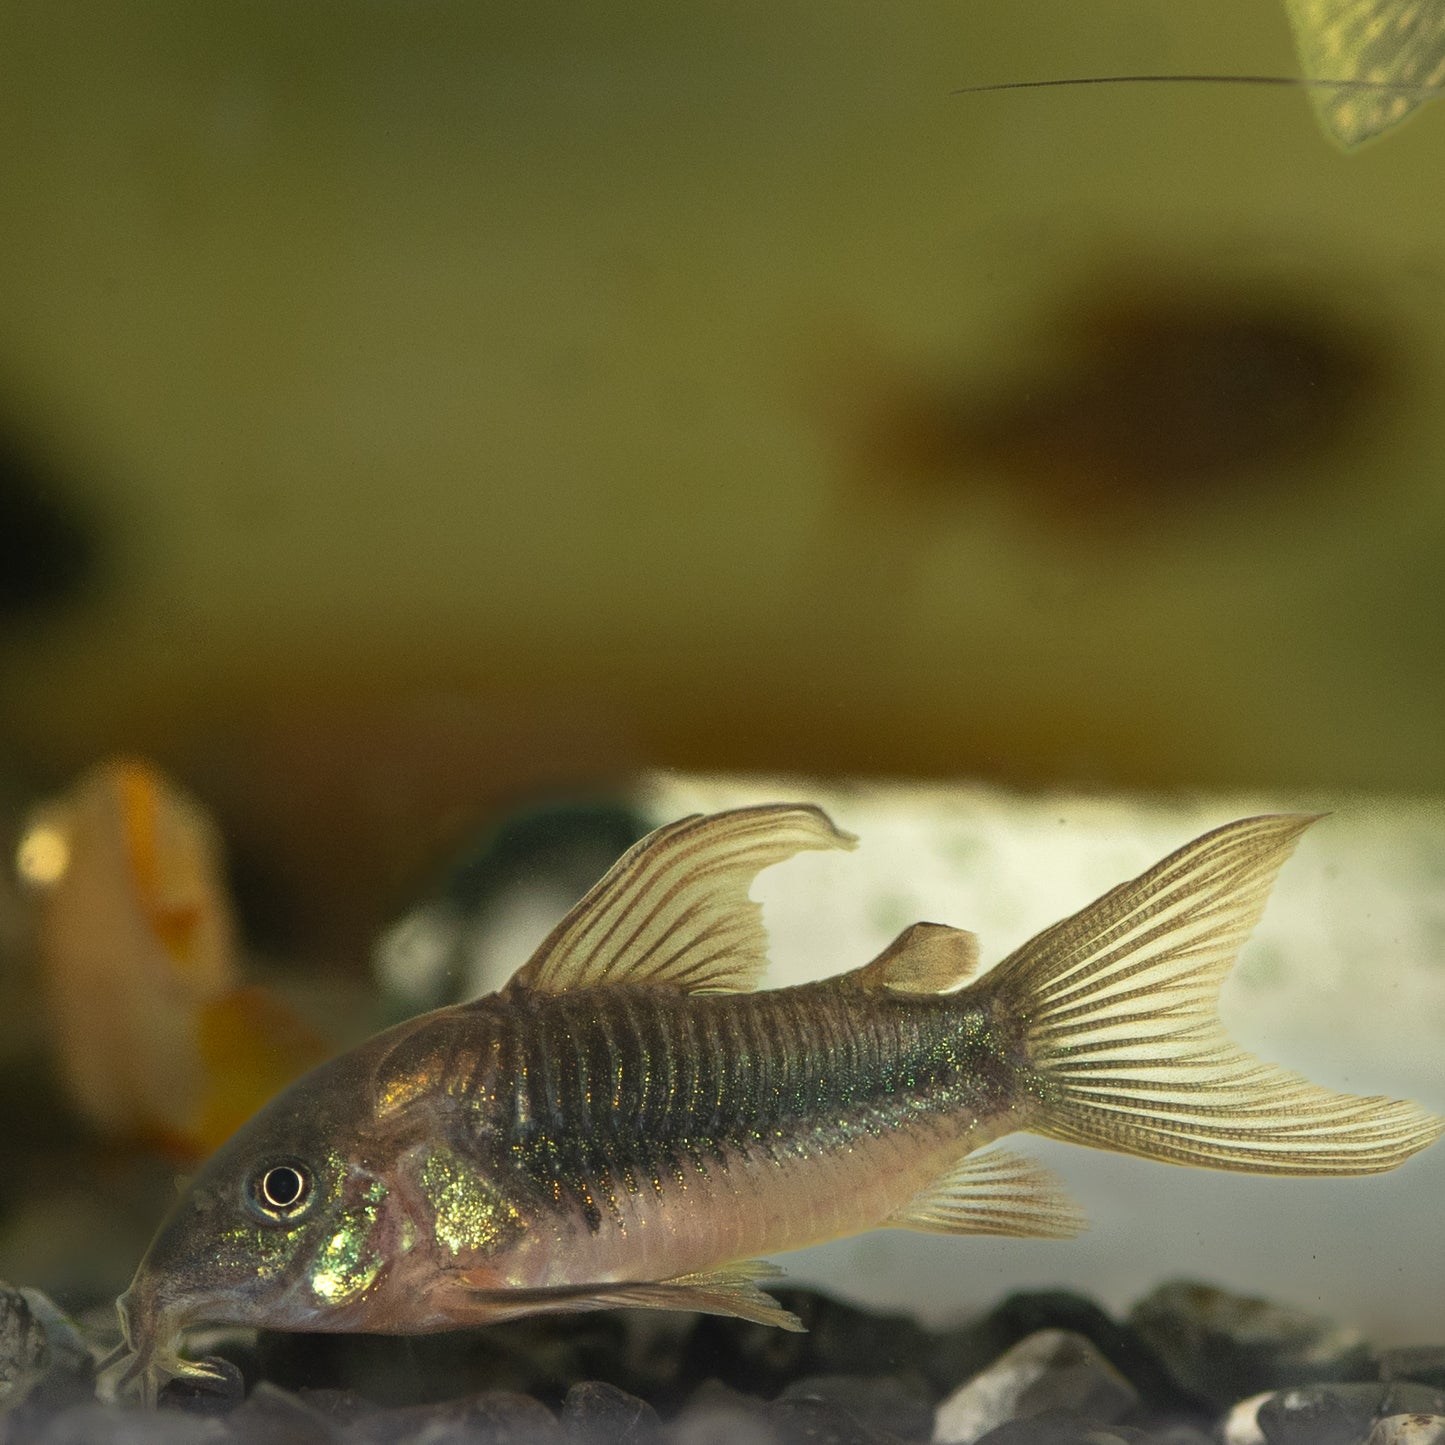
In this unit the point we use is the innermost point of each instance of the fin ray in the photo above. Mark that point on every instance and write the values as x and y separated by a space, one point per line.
731 1289
1118 1006
994 1192
674 910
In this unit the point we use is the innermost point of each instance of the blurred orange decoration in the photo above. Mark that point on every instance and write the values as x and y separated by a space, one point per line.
156 1036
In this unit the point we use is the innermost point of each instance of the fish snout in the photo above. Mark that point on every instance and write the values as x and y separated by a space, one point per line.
146 1312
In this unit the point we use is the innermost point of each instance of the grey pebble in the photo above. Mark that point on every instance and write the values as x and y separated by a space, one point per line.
1050 1370
1058 1427
24 1349
839 1339
882 1402
820 1422
961 1353
1240 1425
1409 1430
596 1413
52 1366
273 1416
340 1407
1223 1346
68 1349
723 1426
1178 1435
489 1418
1341 1414
716 1414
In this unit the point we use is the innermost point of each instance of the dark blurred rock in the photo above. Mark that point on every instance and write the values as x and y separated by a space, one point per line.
1409 1430
1223 1346
959 1354
840 1340
491 1418
1425 1364
821 1422
1341 1414
595 1413
48 554
893 1403
68 1373
724 1427
1059 1427
612 1374
750 1356
1050 1370
340 1407
24 1349
273 1416
716 1414
542 1357
444 950
651 1364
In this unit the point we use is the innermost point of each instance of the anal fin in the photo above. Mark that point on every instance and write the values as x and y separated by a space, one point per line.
994 1192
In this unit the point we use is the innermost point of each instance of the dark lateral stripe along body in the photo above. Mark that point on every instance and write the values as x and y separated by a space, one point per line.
625 1088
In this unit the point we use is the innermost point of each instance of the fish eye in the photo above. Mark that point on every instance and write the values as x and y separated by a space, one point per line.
281 1191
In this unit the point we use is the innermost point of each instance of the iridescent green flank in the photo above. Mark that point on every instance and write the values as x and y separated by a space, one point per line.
467 1216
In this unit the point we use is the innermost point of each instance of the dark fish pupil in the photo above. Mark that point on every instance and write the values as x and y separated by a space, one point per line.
282 1187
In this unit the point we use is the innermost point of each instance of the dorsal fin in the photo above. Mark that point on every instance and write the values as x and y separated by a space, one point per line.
924 958
674 911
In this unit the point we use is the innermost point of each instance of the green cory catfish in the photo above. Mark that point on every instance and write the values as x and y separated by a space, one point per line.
625 1123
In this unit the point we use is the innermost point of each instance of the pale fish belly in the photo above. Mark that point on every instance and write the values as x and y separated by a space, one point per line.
686 1133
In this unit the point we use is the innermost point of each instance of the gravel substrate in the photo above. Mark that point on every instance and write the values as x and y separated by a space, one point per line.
1191 1365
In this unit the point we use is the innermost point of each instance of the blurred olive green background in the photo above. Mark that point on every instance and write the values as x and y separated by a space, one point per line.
467 397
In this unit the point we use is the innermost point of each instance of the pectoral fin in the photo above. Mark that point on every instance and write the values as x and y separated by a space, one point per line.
731 1290
994 1192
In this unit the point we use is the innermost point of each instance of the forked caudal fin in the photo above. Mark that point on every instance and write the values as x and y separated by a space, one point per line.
1118 1007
